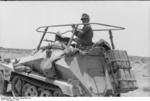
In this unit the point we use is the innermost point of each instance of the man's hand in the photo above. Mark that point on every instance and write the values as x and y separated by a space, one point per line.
76 30
74 26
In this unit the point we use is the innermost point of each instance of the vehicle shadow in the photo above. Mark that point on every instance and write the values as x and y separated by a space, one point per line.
8 94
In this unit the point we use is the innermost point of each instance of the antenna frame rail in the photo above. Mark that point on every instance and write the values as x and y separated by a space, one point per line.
114 28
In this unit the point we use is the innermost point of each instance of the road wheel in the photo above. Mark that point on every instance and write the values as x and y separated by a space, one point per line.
57 92
3 84
45 93
16 86
29 91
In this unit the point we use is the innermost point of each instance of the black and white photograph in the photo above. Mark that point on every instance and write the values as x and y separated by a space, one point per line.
74 49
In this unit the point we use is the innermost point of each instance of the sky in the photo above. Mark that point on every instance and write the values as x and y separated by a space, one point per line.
19 20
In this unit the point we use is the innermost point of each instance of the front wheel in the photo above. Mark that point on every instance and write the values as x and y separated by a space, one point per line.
3 84
16 85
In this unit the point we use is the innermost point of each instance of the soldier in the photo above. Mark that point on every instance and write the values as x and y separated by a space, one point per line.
85 35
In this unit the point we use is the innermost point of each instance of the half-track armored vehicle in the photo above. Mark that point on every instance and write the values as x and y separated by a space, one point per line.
63 67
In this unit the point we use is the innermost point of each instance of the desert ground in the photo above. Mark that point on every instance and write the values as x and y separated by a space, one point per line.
140 68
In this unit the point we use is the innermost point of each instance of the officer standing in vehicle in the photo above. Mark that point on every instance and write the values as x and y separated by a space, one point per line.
85 35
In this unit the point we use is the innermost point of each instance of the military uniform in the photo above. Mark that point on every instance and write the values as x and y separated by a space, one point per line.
85 36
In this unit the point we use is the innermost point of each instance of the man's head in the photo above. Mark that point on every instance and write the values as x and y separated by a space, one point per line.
85 18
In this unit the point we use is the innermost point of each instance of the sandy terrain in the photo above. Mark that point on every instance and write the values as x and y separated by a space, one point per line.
140 67
13 53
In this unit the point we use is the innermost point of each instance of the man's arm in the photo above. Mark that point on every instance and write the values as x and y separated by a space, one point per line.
80 32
